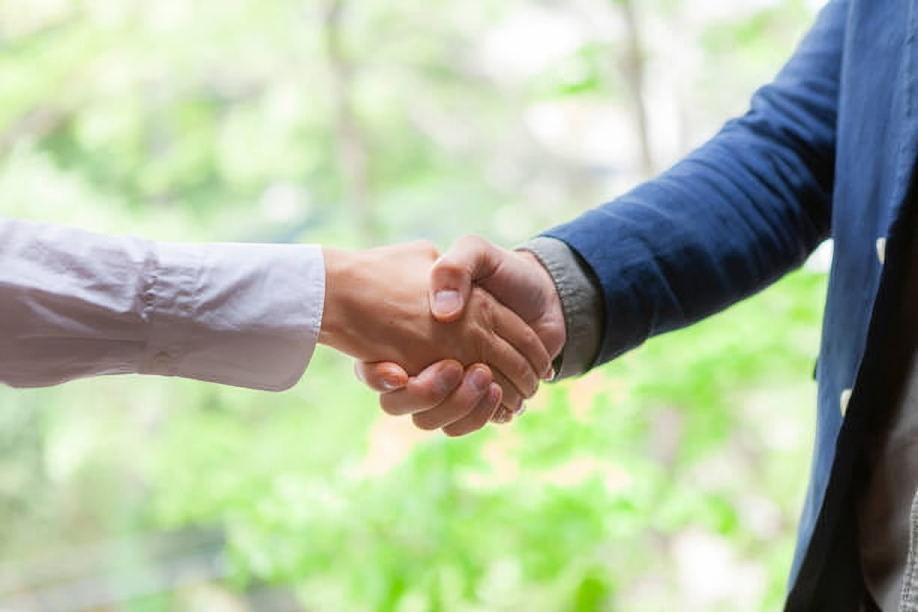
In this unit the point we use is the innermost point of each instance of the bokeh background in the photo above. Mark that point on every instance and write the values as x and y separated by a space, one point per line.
669 480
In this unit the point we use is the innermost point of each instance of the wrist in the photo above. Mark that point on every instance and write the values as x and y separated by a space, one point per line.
339 266
581 299
550 298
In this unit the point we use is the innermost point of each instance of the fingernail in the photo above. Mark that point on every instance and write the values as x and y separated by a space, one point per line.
449 378
479 380
495 393
520 410
551 374
446 302
389 384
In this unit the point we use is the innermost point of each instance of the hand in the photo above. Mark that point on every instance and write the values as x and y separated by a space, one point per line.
516 279
377 309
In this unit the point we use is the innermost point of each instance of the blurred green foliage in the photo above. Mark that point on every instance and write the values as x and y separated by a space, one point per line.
670 479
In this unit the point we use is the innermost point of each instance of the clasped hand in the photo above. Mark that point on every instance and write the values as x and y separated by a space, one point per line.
455 341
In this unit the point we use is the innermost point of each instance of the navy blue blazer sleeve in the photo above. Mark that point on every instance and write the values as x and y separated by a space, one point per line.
730 218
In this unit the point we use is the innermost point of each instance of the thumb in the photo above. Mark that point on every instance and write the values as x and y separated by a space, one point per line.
469 260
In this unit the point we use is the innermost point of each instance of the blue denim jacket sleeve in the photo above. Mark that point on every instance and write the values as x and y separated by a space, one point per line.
733 216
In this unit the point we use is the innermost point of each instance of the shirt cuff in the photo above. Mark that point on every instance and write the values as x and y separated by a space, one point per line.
239 314
581 301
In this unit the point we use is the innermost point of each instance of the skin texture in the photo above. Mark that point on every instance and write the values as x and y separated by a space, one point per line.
377 310
517 280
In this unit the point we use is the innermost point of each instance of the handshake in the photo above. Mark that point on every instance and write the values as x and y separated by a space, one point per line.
455 341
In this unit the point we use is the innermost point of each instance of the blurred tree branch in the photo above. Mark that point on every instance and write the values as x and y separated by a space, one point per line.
350 142
633 68
37 123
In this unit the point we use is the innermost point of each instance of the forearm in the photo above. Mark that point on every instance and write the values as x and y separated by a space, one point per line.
352 309
75 304
732 217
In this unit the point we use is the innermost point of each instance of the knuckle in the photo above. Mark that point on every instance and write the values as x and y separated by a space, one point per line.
469 240
449 269
528 379
485 309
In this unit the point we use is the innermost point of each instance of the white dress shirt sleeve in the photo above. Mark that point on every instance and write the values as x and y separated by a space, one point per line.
74 304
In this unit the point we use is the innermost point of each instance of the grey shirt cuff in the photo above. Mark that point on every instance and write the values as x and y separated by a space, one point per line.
581 301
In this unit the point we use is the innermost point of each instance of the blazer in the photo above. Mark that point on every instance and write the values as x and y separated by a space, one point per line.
828 149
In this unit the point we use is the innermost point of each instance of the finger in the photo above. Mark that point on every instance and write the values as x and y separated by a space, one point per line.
469 259
382 376
511 401
479 416
502 416
511 398
514 369
462 402
425 391
521 337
